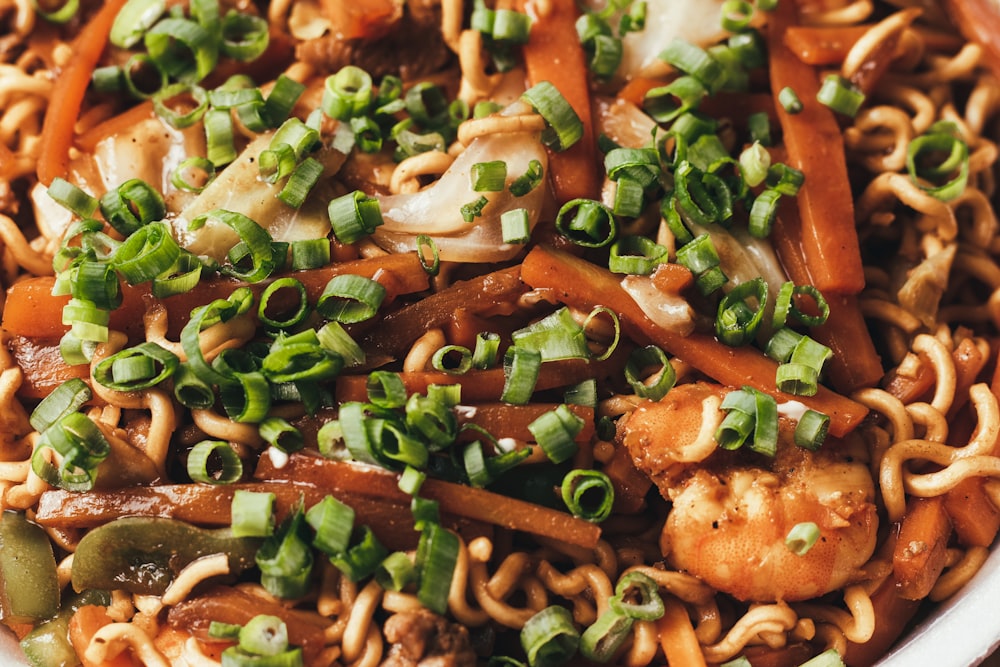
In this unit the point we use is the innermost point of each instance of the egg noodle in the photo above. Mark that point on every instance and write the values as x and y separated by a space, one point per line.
432 332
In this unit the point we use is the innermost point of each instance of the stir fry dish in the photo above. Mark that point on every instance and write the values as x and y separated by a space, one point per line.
494 332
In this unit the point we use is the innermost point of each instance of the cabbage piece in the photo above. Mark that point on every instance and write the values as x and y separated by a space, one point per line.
240 188
696 22
436 210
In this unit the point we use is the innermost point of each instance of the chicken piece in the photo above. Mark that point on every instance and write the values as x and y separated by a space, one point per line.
424 639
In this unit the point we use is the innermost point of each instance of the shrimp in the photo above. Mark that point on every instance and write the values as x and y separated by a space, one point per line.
732 510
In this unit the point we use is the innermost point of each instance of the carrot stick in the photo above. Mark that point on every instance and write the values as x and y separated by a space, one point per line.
680 644
979 22
892 614
477 386
855 362
31 311
822 45
584 285
815 146
477 504
975 518
68 92
119 124
920 553
390 518
553 53
42 366
83 625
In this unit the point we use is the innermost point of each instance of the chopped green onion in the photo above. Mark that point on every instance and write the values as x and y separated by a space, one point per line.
432 419
363 558
702 197
220 148
252 513
648 605
811 430
473 209
602 639
179 278
244 36
828 658
281 435
515 226
181 48
347 93
736 15
193 174
214 462
333 522
386 389
437 554
694 60
521 367
665 103
549 637
765 431
759 125
190 390
82 446
586 223
485 353
555 432
285 560
348 298
173 104
763 213
636 255
564 126
427 104
396 572
146 254
61 15
453 359
938 161
264 635
789 100
702 259
802 537
333 337
488 176
737 320
133 20
72 198
785 179
354 216
588 494
840 95
556 336
134 368
256 238
640 360
131 205
527 181
67 398
301 182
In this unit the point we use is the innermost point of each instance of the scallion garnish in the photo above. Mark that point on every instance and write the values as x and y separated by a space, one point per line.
802 537
840 95
549 637
588 494
564 127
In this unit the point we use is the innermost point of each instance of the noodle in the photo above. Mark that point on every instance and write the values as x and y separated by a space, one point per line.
550 436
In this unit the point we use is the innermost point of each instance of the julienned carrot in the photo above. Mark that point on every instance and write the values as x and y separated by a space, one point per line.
579 283
465 501
491 293
815 146
892 615
680 644
68 92
855 363
822 45
205 505
921 547
975 518
83 625
31 311
42 366
120 124
979 22
553 53
478 386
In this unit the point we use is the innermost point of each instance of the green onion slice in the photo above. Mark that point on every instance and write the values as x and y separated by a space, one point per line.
252 513
349 298
214 462
564 126
588 494
802 537
549 637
